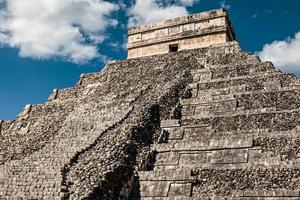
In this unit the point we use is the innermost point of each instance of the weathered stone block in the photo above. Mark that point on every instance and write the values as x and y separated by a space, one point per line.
205 77
154 188
169 123
167 158
53 95
175 133
238 89
229 156
179 174
272 85
193 158
271 193
180 189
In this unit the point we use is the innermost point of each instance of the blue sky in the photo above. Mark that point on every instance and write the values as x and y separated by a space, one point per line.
40 51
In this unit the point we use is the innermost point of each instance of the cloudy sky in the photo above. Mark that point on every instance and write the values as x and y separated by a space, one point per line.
47 44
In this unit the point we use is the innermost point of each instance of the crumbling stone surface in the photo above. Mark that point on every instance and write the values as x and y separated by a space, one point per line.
228 183
205 124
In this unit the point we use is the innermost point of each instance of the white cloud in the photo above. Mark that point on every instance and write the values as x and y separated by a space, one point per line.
224 5
284 54
188 2
255 15
146 11
68 29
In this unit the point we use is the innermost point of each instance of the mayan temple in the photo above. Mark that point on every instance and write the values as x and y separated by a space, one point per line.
188 116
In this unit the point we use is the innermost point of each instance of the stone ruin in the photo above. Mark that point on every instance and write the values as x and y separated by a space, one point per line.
201 124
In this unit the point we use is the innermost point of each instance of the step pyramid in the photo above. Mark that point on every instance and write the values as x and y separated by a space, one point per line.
236 137
209 123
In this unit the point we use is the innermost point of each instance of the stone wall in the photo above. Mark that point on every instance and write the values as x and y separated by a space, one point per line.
183 44
195 31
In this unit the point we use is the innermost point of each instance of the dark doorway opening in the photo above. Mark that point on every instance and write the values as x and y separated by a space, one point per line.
173 48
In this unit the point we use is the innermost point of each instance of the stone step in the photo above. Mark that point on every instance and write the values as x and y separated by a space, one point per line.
179 174
206 131
230 158
252 82
238 112
208 77
180 133
208 105
169 123
205 100
269 193
200 158
165 189
239 69
215 143
220 198
210 108
267 198
174 133
238 90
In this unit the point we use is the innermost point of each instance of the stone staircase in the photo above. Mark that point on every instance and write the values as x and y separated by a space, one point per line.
202 155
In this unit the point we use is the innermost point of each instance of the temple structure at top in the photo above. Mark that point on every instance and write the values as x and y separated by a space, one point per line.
189 32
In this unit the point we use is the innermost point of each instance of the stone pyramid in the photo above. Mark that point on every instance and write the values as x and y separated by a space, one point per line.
206 123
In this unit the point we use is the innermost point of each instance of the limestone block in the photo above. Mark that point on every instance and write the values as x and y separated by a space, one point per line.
53 95
297 129
194 93
174 198
266 198
196 77
90 88
179 174
229 156
226 106
204 144
163 147
167 158
272 85
188 110
25 111
200 71
169 123
175 133
203 110
263 158
238 89
222 91
193 158
216 143
271 193
192 86
180 189
154 188
231 142
205 77
205 99
216 107
197 132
